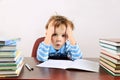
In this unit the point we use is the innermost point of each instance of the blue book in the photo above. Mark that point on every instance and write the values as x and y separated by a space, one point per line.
12 41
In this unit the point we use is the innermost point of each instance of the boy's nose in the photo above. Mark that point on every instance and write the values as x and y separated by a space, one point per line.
58 41
58 37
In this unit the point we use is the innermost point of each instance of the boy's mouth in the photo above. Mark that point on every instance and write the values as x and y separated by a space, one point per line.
57 44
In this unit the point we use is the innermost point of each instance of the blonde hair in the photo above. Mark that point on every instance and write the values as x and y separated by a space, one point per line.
58 20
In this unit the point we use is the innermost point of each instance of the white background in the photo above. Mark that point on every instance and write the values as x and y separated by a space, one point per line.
93 19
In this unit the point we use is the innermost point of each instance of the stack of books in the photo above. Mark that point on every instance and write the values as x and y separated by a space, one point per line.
110 55
11 61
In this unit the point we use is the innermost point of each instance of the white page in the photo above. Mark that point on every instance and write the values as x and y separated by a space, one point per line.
86 65
80 64
63 64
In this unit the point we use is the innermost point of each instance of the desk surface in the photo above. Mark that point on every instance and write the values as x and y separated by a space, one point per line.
59 74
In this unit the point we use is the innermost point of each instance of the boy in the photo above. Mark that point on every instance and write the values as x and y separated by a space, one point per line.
59 42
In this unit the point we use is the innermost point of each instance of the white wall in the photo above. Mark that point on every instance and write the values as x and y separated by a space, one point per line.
93 19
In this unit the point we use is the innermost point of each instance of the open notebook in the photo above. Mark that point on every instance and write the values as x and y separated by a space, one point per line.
80 64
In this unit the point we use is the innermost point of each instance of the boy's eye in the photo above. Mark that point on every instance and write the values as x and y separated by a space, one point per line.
63 35
54 34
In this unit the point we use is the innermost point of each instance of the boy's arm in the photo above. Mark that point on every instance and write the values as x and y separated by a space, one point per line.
70 35
42 52
49 33
73 51
43 48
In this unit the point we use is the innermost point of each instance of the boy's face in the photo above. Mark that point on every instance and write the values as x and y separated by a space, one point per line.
59 37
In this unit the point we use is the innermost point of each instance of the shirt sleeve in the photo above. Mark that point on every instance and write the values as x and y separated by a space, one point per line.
42 52
73 51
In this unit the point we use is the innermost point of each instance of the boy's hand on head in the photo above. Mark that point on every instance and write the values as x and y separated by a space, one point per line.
49 33
69 33
50 29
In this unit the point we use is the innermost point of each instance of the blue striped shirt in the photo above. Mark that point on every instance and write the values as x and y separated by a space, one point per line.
67 51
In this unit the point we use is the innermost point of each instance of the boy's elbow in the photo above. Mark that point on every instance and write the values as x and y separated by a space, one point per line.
76 56
42 59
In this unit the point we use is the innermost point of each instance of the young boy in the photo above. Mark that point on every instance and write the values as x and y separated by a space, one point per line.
59 42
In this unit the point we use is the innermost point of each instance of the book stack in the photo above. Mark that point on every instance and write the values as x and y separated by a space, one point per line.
11 61
110 55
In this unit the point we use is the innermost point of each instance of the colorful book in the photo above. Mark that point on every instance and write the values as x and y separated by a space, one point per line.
12 41
110 50
116 56
11 63
115 66
109 67
109 71
10 59
111 41
112 59
8 48
107 46
10 72
8 53
11 67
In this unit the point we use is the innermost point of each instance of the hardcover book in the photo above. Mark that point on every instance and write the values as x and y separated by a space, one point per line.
5 41
111 41
115 66
11 67
109 71
8 48
114 55
110 47
7 63
110 51
8 73
109 67
10 59
110 58
8 53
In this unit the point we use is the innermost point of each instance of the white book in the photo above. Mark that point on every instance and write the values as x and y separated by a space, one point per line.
80 64
110 51
111 41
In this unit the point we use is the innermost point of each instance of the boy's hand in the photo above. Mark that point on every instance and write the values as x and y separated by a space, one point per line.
49 33
50 29
69 33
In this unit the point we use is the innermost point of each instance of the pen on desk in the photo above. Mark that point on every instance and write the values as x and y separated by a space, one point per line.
28 67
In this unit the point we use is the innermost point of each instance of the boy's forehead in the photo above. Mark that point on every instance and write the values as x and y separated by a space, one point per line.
60 29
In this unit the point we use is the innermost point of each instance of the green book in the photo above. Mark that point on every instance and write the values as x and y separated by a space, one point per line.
8 48
109 71
10 59
4 64
8 53
10 72
11 67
